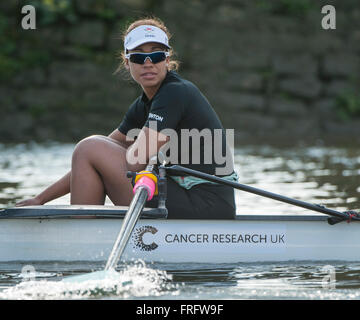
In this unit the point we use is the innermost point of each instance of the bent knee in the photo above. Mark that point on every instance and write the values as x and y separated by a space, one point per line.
97 148
88 145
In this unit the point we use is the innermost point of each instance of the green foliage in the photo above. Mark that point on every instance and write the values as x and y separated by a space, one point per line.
35 57
8 67
13 60
348 105
6 47
287 7
8 64
53 11
36 110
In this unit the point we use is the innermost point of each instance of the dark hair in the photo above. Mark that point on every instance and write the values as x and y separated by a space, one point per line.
153 21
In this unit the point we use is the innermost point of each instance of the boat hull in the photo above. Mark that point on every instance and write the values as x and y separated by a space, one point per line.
246 239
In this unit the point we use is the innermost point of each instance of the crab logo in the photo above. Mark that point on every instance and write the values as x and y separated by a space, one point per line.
149 29
139 241
149 32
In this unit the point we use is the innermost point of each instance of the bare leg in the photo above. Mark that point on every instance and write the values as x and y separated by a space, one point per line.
99 168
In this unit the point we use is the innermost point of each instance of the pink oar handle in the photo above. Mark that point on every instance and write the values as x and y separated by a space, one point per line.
148 183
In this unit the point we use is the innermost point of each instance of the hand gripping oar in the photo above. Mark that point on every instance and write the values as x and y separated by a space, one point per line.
336 215
144 189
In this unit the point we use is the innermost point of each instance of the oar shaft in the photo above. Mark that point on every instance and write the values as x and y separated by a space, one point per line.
136 206
267 194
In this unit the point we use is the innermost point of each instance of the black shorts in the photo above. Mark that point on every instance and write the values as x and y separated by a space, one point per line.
203 201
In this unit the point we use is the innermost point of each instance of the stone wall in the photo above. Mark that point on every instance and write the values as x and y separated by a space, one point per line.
268 68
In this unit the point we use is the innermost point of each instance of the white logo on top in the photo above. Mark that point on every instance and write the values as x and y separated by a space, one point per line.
155 117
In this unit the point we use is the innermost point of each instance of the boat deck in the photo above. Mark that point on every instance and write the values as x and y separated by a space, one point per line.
94 211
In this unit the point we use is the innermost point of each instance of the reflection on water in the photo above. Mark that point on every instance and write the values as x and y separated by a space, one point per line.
131 281
321 175
25 169
186 281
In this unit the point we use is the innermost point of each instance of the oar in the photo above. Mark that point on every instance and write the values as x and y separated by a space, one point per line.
337 216
131 217
144 190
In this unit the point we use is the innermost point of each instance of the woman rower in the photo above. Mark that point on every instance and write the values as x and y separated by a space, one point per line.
168 103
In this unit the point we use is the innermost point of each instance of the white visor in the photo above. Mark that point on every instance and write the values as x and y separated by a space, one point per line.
144 34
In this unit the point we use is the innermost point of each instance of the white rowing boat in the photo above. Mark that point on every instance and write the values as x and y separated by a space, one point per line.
87 233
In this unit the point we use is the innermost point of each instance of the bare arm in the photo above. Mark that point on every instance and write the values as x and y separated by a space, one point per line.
54 191
121 139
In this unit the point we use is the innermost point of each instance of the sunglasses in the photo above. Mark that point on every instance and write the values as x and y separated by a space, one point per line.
140 58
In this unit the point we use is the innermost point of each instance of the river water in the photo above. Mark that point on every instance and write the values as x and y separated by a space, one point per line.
318 174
